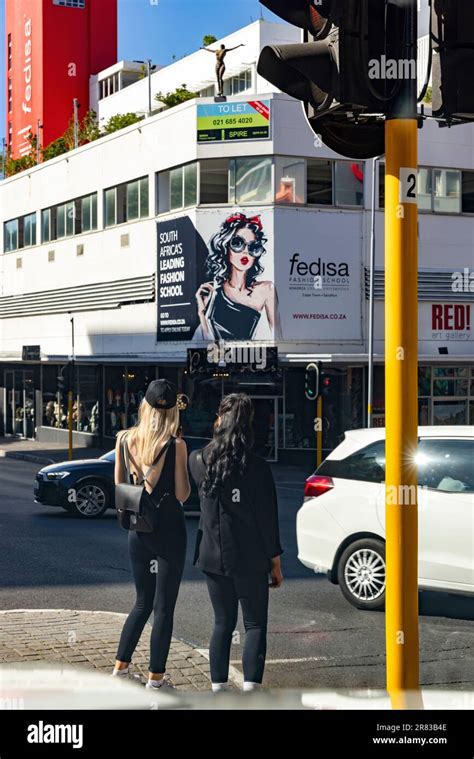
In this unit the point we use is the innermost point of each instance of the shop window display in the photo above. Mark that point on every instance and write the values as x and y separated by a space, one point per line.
204 395
115 416
86 407
138 379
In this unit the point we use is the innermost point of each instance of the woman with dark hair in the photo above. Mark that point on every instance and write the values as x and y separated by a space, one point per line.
238 543
231 304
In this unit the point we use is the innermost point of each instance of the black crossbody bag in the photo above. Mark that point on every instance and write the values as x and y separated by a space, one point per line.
134 508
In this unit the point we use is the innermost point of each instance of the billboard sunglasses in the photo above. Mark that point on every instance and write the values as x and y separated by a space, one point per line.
238 244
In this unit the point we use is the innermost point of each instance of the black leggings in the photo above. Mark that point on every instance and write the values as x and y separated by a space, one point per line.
225 594
157 591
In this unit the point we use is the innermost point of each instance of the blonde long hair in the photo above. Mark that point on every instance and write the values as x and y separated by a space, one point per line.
155 426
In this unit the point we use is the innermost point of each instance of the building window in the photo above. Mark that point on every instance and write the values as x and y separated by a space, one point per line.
447 191
126 202
9 55
20 233
251 180
467 192
10 96
214 181
290 180
29 230
319 182
69 219
178 188
11 235
70 3
349 183
208 92
237 84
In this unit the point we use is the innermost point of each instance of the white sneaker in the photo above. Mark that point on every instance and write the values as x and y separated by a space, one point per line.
121 673
165 683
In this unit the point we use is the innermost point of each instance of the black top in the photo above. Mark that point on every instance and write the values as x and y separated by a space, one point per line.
239 530
166 481
231 320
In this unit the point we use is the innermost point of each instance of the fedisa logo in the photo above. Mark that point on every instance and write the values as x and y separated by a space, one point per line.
317 268
27 69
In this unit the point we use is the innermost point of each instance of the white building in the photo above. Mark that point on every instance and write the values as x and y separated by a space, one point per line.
116 236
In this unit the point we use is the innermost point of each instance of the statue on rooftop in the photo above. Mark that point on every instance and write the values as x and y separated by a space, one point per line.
220 64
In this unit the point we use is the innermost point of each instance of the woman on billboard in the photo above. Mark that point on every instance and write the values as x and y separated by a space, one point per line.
231 304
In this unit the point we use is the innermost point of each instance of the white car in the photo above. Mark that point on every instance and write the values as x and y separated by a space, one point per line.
341 525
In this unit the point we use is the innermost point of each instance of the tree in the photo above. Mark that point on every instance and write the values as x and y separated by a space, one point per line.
180 95
208 39
15 165
428 99
120 121
55 148
89 128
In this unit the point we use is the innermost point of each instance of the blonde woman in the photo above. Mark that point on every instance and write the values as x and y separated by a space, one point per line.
165 547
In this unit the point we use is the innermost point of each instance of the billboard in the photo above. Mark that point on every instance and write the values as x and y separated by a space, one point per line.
178 275
319 275
224 122
260 274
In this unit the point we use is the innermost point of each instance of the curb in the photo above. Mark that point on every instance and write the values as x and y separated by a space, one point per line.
235 676
25 457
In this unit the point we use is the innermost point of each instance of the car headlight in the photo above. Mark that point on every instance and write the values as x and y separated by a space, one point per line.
56 475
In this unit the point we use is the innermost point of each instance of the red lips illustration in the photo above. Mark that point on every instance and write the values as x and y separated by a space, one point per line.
244 261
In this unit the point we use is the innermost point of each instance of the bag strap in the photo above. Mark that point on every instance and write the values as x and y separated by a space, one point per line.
126 456
161 453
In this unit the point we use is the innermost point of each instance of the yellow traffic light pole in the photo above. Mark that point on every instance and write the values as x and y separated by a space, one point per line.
401 387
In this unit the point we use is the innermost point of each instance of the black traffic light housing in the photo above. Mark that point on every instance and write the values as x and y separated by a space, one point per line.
453 59
335 71
311 381
65 379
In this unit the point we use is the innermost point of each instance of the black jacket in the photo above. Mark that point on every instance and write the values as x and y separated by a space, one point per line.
238 531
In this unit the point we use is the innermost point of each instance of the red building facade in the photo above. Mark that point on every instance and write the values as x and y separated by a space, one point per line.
53 47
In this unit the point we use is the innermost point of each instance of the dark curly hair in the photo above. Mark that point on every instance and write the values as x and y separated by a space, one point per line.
227 455
217 263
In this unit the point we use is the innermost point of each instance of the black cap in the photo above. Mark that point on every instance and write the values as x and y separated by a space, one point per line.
161 394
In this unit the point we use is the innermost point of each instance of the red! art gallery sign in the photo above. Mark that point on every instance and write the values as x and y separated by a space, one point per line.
448 317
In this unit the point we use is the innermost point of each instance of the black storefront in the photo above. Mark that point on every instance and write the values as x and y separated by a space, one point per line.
108 396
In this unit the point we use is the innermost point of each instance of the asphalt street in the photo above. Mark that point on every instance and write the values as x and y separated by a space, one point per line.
51 559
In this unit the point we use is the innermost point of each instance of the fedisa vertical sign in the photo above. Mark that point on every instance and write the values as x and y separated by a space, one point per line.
26 105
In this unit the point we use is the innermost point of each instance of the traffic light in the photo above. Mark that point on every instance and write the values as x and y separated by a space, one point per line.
311 381
64 380
326 385
453 59
352 70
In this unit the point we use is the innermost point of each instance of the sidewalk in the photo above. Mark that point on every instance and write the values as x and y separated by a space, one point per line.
89 639
45 453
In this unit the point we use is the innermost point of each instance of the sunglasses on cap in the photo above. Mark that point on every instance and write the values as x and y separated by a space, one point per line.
238 245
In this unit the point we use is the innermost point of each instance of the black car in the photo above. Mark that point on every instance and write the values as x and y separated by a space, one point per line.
85 487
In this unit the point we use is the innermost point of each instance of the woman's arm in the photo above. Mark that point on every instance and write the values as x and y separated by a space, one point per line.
266 509
203 298
181 478
208 51
272 311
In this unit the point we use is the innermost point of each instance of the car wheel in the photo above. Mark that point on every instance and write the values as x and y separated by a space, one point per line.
361 574
91 500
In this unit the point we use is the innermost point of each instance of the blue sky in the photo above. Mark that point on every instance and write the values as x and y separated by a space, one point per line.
160 30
